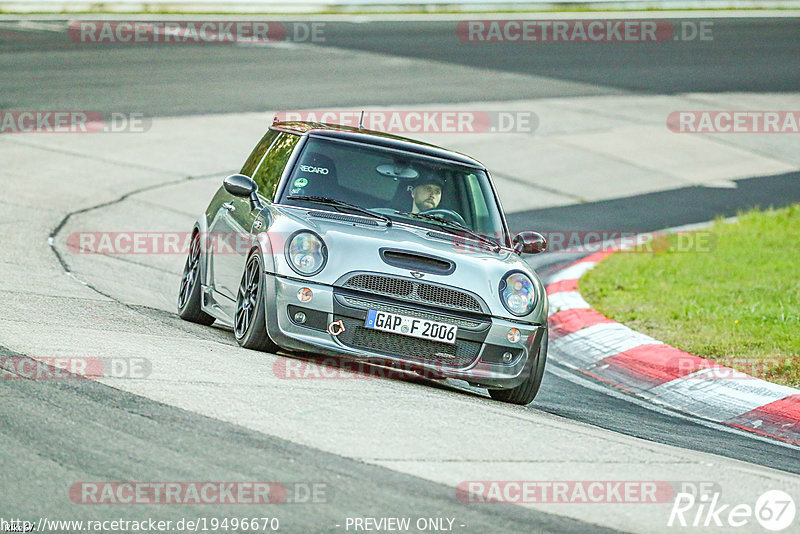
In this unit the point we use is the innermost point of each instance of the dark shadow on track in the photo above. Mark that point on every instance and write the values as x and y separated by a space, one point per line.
664 209
744 54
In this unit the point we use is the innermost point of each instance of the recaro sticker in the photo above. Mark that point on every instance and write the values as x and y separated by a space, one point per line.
315 170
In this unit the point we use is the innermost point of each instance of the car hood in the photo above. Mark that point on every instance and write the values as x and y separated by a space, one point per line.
355 245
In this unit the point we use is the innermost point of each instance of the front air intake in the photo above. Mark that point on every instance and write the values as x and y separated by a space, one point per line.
414 261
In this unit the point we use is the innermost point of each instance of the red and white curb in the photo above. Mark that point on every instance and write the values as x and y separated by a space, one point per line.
585 340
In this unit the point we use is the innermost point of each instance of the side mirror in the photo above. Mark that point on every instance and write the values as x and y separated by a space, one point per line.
239 185
243 186
529 243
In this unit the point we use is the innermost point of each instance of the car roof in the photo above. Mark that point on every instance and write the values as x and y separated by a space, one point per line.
375 138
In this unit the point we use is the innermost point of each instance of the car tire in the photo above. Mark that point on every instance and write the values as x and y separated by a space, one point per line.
249 321
189 293
524 393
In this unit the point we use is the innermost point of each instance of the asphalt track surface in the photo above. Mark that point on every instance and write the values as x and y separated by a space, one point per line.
50 71
51 441
58 424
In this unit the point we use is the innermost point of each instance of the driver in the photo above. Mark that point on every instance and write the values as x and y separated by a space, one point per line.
426 193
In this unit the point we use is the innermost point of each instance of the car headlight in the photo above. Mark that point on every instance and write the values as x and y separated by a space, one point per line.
517 293
306 253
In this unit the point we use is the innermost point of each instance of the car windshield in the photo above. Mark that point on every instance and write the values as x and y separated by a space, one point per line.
405 187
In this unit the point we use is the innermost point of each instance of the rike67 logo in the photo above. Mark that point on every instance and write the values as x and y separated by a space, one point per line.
774 510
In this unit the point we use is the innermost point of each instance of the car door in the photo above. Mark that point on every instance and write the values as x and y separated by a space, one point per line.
232 231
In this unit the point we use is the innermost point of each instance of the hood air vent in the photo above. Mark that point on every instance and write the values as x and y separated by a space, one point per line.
415 261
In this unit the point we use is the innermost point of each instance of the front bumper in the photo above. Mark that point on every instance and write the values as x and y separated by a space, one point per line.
475 357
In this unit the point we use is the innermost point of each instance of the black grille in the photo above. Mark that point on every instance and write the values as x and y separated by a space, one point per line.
459 355
414 291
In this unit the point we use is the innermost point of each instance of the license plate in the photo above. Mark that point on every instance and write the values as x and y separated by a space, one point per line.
411 326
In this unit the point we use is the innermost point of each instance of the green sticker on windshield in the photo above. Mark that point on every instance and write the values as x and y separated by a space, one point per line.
300 182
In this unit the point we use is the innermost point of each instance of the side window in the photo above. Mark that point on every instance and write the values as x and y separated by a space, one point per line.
269 171
258 152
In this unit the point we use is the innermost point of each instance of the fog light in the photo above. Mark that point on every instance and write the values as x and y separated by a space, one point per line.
514 335
304 294
507 357
300 317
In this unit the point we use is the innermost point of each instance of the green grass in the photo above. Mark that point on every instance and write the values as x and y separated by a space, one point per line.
735 300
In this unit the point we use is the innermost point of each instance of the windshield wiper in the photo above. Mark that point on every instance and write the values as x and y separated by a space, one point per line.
454 225
341 204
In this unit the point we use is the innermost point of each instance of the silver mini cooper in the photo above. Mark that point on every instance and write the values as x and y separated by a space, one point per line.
340 241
